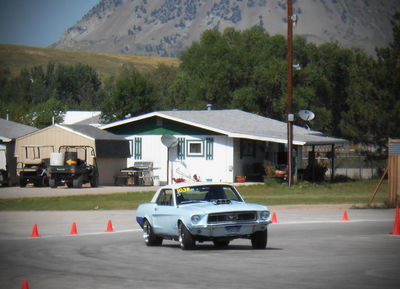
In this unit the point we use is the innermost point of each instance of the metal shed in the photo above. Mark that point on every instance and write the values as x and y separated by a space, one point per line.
112 151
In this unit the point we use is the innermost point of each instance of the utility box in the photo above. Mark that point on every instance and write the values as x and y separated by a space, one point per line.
394 171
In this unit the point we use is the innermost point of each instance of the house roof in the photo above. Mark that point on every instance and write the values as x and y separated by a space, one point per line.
91 132
11 130
93 121
81 117
239 124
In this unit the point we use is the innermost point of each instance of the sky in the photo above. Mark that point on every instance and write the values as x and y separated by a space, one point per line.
39 22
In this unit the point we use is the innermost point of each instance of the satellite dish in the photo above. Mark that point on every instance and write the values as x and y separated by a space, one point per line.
169 140
306 115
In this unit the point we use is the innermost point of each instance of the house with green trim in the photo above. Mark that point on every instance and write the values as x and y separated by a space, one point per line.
212 145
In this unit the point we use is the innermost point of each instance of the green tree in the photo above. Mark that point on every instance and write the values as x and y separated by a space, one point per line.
43 114
373 96
4 79
134 94
210 65
162 78
78 85
75 86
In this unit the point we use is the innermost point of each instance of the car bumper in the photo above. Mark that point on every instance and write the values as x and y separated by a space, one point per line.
228 229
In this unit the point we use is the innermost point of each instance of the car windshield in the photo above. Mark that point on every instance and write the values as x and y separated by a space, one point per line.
207 193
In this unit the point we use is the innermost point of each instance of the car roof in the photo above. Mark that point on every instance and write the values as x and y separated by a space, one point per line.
193 184
186 184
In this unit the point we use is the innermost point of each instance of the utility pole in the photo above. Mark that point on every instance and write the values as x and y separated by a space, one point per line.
290 116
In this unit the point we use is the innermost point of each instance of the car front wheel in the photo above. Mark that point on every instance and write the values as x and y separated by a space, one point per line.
149 237
259 239
77 182
185 238
52 183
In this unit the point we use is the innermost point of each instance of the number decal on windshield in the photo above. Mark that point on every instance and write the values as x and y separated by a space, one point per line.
182 190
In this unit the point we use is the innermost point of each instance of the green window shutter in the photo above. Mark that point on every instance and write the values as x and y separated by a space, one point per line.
181 148
138 148
131 148
209 148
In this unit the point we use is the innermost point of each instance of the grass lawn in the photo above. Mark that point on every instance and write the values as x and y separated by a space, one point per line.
355 193
17 57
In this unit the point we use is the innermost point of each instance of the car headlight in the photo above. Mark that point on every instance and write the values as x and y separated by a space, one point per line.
264 215
195 219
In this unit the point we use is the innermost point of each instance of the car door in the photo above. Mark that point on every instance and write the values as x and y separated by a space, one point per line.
165 214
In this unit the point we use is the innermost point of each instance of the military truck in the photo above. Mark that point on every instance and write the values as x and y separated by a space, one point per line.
67 169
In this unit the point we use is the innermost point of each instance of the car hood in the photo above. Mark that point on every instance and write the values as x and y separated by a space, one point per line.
208 208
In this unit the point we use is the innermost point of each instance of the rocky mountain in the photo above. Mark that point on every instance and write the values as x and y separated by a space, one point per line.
167 27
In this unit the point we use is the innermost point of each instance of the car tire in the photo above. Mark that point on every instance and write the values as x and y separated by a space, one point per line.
52 183
186 239
149 237
221 243
94 182
22 183
44 181
77 182
259 239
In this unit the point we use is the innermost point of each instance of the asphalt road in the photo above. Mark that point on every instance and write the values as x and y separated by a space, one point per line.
306 249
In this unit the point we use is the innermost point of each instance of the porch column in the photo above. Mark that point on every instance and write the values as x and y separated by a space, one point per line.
312 163
333 163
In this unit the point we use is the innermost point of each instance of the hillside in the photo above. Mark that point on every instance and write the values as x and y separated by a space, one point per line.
167 27
16 57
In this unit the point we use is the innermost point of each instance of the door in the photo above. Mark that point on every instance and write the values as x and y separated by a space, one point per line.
165 214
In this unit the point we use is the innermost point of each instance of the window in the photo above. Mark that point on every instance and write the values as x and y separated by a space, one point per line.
193 194
165 198
195 148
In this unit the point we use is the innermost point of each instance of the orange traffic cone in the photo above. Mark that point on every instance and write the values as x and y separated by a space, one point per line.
345 216
74 231
35 232
25 285
396 224
274 219
109 227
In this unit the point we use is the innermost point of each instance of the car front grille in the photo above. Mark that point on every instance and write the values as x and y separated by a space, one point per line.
231 217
